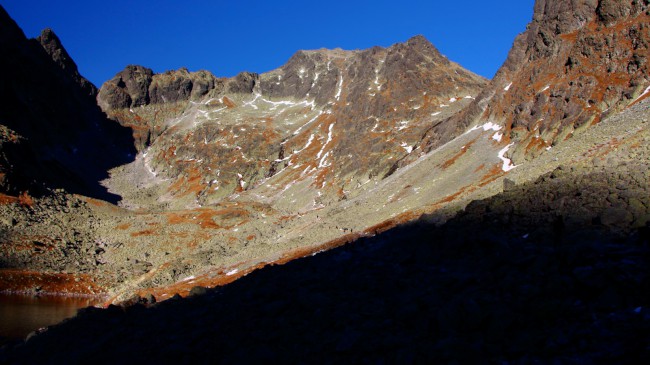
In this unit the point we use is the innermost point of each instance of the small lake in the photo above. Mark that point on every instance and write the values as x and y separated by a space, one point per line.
22 314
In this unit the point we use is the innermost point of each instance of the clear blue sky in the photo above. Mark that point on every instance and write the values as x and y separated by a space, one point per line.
227 37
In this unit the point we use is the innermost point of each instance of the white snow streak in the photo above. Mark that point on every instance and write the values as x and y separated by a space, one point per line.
647 91
507 87
507 163
406 147
486 127
311 139
309 122
323 161
329 139
340 88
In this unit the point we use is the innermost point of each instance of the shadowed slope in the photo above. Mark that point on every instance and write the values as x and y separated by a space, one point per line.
515 281
53 133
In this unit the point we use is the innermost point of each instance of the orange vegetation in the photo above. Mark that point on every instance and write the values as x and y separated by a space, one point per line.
123 226
494 173
228 103
8 199
146 232
462 151
17 281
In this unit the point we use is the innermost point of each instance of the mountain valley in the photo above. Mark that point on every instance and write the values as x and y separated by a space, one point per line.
342 176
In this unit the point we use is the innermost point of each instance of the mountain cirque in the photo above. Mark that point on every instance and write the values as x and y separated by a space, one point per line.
228 175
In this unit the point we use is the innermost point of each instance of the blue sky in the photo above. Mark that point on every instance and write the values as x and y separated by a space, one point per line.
227 37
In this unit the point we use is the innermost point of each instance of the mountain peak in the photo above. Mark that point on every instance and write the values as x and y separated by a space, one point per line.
52 45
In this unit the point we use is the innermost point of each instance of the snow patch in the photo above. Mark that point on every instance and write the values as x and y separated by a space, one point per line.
486 127
339 88
507 87
406 147
545 88
434 114
453 100
497 136
507 163
232 272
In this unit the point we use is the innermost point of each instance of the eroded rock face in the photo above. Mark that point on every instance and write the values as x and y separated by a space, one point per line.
333 119
138 86
577 62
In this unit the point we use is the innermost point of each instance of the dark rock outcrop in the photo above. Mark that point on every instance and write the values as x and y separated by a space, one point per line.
137 86
52 45
54 135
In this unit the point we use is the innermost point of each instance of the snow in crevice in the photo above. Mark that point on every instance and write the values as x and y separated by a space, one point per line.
507 163
339 88
311 139
329 139
232 272
313 83
323 161
403 125
252 102
469 97
497 136
406 147
444 105
297 131
453 100
545 88
507 87
434 114
486 127
646 92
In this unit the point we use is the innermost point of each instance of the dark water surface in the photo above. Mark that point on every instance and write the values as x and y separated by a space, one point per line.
22 314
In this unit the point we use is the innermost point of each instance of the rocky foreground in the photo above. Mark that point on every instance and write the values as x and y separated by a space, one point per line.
512 279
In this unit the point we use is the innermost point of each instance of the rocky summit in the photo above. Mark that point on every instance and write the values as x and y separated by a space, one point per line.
410 210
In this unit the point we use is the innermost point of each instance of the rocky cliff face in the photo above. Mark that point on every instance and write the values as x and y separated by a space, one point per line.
53 133
577 63
331 119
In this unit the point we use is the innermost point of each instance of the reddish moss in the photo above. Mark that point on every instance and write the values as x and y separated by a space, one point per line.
16 281
8 199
